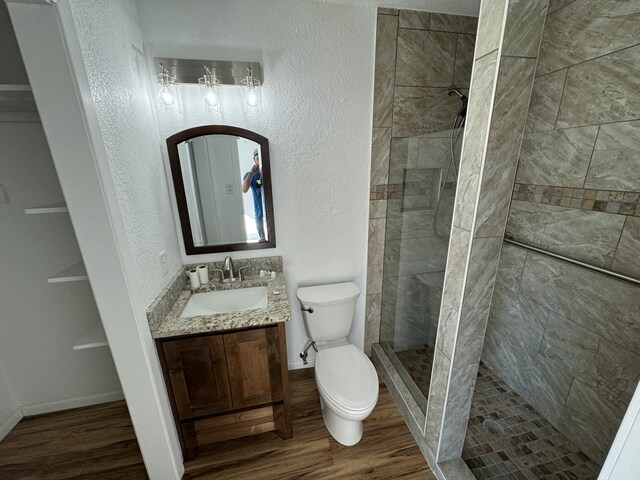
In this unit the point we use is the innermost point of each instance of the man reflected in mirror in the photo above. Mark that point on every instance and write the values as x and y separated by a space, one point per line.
253 180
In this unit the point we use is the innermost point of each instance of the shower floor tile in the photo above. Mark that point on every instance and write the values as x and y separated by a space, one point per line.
418 363
508 439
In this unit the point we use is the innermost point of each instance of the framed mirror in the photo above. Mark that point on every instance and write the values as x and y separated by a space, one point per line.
222 181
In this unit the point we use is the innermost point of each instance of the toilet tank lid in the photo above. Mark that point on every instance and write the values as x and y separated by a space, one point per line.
328 294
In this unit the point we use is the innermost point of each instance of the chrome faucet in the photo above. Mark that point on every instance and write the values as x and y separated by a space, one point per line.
213 270
240 275
228 269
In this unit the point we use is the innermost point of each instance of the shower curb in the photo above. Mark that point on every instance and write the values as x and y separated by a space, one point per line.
454 469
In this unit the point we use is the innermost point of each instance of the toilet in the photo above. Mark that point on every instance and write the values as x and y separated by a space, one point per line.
346 378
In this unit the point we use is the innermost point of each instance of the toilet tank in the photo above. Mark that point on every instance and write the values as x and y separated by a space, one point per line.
333 307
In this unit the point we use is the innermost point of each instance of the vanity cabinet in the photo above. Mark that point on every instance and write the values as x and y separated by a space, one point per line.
228 384
197 370
254 364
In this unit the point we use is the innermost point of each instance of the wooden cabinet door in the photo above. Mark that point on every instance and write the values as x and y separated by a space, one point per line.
253 359
198 373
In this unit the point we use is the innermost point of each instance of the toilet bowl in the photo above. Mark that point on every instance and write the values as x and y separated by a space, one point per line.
346 379
348 385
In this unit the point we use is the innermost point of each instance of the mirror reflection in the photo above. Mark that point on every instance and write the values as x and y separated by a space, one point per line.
222 185
224 190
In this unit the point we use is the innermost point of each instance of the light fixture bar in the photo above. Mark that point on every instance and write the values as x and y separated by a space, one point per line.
227 72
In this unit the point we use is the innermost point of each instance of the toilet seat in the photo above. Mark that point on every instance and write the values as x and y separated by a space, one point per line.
347 379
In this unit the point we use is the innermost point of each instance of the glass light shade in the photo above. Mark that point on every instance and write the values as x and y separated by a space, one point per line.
211 93
251 94
168 99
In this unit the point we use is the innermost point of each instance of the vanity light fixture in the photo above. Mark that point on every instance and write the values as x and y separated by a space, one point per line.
167 93
251 92
245 75
211 92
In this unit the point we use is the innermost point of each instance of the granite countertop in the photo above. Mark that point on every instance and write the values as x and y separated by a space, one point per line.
277 310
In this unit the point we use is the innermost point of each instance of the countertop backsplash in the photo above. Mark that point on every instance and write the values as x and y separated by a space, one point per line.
254 265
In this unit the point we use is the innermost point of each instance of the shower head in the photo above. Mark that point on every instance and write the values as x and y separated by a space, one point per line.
463 99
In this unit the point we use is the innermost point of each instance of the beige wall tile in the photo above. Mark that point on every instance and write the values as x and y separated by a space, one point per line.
523 29
586 29
422 110
627 256
615 163
545 101
612 85
414 19
490 26
464 60
453 23
380 145
386 38
480 105
425 58
557 157
509 115
377 208
560 229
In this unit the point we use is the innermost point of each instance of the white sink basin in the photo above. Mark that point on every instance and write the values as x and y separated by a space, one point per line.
224 301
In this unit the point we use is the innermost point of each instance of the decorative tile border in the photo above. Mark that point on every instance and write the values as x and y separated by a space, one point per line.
608 201
398 190
385 192
416 189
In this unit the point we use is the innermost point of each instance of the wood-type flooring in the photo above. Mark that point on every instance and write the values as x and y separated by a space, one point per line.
99 443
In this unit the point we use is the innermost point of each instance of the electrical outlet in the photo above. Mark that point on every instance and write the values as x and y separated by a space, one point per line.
164 263
229 188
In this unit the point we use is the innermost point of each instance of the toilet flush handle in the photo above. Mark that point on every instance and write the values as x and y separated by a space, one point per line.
304 309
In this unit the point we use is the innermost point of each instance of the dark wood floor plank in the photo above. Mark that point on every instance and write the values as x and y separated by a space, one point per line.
96 442
99 443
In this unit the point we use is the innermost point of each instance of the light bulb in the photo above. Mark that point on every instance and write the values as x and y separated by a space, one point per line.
251 98
166 96
211 98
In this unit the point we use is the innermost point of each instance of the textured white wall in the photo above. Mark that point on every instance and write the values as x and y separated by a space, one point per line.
318 69
112 49
8 404
39 321
50 42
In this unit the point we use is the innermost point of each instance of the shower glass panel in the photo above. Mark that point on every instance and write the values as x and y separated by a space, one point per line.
422 181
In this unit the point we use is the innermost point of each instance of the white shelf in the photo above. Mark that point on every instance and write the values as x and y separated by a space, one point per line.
74 273
16 98
93 338
15 87
19 117
58 207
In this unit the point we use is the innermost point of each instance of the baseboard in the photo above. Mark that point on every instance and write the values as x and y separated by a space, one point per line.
40 408
11 422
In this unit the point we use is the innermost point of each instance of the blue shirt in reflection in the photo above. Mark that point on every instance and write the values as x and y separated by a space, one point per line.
256 190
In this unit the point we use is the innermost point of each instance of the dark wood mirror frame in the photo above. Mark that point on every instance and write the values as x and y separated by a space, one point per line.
181 199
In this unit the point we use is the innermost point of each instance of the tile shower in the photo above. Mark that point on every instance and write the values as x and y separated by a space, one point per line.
420 56
565 338
560 356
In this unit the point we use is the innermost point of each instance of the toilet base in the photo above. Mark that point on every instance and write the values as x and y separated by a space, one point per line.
344 431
